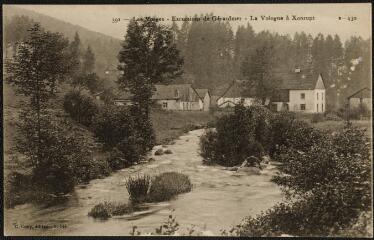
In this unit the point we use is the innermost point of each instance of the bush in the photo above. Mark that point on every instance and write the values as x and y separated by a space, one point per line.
81 108
288 132
331 186
54 163
237 136
102 210
106 210
117 160
137 187
167 185
117 127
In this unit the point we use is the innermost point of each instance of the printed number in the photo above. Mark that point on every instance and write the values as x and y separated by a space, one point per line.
352 19
116 20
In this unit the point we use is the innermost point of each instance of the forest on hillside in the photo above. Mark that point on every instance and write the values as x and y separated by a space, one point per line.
214 56
105 48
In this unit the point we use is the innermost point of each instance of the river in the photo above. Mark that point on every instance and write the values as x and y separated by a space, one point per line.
219 199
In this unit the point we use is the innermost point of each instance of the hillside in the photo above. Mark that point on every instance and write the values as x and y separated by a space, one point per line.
106 48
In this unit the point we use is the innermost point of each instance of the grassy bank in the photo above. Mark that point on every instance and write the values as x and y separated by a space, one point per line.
169 125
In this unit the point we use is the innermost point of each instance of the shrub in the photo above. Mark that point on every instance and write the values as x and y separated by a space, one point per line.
167 185
137 187
117 160
118 127
106 210
288 132
331 185
62 151
237 136
102 211
81 108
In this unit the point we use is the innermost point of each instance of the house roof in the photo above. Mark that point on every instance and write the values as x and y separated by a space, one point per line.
202 92
362 93
298 81
183 92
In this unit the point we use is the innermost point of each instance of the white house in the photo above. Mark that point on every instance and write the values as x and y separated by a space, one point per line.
233 95
205 98
300 92
180 97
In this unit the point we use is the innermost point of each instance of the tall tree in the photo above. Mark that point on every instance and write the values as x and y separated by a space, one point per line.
244 45
39 63
148 56
258 72
75 55
88 63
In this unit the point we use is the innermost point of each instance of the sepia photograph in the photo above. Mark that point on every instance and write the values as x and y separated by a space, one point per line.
240 120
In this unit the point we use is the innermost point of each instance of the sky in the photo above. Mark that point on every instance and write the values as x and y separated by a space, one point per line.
326 16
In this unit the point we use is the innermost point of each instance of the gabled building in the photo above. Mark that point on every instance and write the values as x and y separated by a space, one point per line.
361 97
300 92
180 97
234 95
205 97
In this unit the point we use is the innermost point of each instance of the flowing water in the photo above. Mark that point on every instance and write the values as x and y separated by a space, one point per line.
219 199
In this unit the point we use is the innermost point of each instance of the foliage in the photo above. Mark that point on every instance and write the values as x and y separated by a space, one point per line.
148 56
101 210
137 187
169 227
288 132
54 154
167 185
327 187
121 128
107 209
80 107
258 70
117 160
237 136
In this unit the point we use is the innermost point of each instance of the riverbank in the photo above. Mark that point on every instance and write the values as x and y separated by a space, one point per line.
227 196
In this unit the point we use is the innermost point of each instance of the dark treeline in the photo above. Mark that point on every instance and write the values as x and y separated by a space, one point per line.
214 56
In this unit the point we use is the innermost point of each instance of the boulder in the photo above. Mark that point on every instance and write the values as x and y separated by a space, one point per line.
168 151
159 152
266 159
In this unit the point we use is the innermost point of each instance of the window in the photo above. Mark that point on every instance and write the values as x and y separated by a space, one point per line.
302 95
317 95
317 106
164 105
322 107
322 99
176 93
302 106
